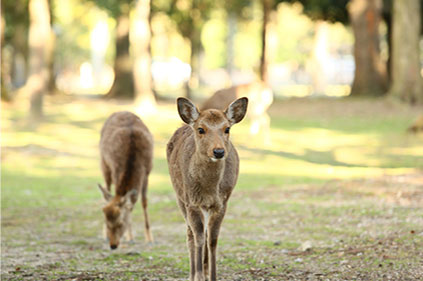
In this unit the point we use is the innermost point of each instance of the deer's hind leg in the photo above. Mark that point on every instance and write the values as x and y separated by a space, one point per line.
107 174
144 203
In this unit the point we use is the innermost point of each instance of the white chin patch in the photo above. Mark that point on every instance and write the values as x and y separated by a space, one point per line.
214 159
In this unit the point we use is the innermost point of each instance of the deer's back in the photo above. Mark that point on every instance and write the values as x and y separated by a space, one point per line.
259 93
126 147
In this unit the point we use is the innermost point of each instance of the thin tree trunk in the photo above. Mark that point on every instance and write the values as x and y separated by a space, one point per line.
52 89
230 44
370 77
195 41
142 67
387 17
319 58
406 78
267 7
123 84
39 45
19 63
4 93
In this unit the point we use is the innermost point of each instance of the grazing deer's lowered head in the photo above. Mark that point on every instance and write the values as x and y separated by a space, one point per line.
117 215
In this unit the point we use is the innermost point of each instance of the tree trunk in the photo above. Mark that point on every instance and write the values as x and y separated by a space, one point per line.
370 77
406 78
267 7
319 58
230 44
39 48
4 92
123 84
142 67
387 17
195 41
52 89
19 62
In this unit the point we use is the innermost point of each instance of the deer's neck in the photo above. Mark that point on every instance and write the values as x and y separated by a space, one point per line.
205 176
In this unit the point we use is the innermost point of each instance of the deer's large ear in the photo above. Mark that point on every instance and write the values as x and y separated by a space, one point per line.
237 110
106 194
126 200
187 110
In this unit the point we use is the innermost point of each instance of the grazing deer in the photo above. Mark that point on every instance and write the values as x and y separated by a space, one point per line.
203 166
260 97
126 149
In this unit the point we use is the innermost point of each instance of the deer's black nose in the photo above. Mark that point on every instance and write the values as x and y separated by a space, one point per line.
113 247
219 153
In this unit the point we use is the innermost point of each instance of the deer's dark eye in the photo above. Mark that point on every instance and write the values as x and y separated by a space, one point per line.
201 131
227 130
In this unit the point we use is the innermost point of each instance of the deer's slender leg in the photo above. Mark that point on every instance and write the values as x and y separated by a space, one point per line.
196 224
213 233
129 234
148 235
107 174
191 249
206 256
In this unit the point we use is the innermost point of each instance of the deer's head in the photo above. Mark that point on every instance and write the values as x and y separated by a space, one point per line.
117 214
212 127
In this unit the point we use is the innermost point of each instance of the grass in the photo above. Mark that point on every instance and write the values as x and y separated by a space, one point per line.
340 174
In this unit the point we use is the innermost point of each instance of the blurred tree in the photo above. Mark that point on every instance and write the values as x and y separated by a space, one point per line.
123 84
142 51
16 35
235 10
189 16
4 93
370 77
267 6
39 50
387 17
52 89
406 77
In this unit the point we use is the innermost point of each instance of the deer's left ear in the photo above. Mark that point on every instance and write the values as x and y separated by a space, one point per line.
187 110
126 200
106 194
237 110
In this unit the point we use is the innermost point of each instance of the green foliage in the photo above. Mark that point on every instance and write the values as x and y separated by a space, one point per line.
114 7
329 10
15 13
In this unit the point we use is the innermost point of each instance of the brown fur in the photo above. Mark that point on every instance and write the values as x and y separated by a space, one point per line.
203 184
260 96
417 126
126 148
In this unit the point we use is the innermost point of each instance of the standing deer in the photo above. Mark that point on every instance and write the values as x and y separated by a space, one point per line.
203 166
126 149
261 98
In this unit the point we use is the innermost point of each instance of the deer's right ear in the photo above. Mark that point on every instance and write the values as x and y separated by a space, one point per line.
187 110
106 194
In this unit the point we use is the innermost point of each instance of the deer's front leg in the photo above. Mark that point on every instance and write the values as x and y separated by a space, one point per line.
191 249
129 235
197 227
215 222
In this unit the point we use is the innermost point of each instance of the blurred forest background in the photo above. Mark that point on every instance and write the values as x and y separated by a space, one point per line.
334 191
158 49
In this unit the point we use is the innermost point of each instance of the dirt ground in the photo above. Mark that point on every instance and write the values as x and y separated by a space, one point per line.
341 230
